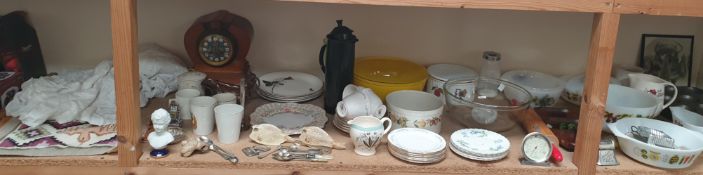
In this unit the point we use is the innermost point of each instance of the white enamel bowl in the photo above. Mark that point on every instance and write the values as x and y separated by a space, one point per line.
689 144
689 120
545 88
573 90
415 109
626 102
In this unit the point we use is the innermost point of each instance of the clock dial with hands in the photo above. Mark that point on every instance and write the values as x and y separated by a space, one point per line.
536 148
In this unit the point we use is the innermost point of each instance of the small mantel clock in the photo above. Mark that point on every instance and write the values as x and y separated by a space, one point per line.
218 43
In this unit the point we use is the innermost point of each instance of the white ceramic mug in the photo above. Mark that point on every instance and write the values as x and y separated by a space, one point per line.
367 132
360 101
228 118
203 115
415 109
191 80
225 98
183 97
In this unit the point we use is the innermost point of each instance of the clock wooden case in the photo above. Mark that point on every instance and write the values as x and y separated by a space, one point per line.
218 43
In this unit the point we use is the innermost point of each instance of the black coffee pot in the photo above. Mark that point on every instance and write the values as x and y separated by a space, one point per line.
337 62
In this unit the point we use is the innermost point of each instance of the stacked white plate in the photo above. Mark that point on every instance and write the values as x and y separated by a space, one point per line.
289 87
417 145
341 123
479 144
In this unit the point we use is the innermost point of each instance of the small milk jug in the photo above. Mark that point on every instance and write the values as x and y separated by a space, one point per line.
366 133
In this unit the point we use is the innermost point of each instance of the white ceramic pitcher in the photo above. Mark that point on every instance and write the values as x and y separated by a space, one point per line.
366 133
655 86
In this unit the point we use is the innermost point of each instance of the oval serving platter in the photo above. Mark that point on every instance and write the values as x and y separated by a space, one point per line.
289 117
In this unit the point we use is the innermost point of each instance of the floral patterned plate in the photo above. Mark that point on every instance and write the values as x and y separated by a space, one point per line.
290 117
480 143
416 140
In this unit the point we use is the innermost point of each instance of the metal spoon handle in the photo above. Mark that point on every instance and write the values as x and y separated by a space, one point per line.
224 154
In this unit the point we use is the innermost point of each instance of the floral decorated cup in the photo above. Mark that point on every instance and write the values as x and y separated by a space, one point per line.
366 133
415 109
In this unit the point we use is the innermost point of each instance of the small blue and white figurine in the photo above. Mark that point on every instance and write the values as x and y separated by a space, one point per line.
160 138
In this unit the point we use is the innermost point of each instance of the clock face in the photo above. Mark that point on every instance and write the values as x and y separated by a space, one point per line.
216 49
536 147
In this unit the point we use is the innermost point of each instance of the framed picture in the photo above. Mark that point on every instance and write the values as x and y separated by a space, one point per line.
668 57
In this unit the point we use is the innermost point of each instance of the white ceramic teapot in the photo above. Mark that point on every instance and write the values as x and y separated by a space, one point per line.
655 86
360 101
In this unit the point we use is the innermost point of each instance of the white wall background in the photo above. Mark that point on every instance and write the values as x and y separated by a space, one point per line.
76 33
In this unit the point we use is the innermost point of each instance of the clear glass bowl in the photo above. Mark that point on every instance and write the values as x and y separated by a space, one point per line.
485 102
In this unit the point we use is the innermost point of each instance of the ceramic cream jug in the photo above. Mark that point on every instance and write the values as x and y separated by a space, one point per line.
653 85
366 133
360 101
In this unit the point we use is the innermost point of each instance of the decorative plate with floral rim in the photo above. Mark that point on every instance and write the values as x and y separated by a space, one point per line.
289 117
480 143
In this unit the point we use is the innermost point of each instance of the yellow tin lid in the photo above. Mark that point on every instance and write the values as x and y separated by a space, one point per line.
389 70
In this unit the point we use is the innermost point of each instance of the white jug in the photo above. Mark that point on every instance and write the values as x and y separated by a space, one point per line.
367 132
655 86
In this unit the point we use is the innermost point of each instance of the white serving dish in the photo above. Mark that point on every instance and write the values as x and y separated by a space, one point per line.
289 117
689 144
573 90
479 144
417 141
689 120
544 88
415 109
626 102
441 73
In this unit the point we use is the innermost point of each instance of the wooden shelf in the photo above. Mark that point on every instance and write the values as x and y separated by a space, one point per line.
533 5
646 7
347 160
382 162
660 7
109 160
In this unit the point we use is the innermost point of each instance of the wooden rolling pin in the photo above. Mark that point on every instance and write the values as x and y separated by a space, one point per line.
533 123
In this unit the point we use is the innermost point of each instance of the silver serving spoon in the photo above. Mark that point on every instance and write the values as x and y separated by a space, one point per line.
226 155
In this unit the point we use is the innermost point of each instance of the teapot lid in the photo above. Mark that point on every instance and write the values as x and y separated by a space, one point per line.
341 32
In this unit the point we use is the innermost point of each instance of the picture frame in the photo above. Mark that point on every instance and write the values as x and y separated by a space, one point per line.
669 57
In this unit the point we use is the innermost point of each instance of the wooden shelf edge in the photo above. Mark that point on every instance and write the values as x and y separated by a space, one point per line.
693 8
598 6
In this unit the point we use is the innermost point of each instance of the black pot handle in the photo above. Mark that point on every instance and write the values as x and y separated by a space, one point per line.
322 57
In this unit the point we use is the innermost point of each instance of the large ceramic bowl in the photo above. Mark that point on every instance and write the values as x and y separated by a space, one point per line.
415 109
485 103
688 144
573 90
545 88
441 73
625 102
384 75
688 119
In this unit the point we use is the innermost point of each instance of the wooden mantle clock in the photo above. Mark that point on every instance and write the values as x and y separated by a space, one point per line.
218 43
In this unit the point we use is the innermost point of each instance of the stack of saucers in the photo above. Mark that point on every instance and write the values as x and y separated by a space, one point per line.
417 145
289 87
479 144
341 123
